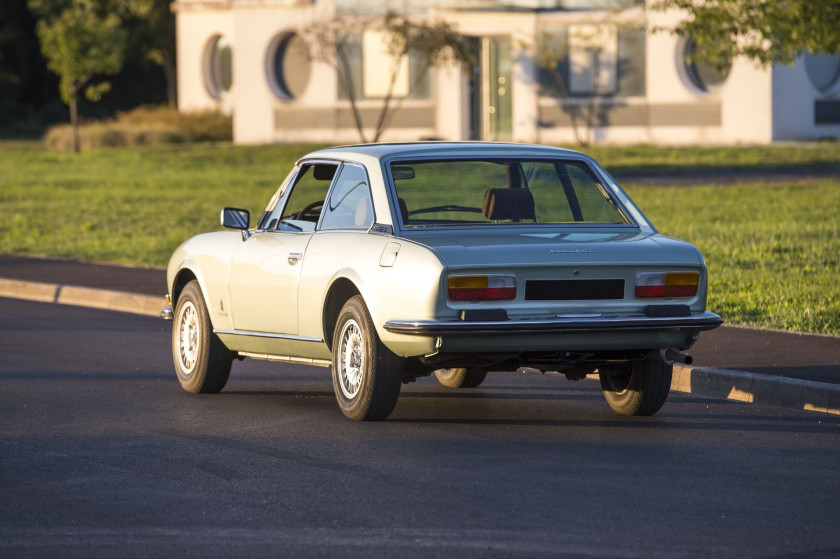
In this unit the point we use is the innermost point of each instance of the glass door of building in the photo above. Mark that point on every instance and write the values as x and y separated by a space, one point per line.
491 107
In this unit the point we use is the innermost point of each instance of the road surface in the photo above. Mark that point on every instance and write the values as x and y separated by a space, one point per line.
102 454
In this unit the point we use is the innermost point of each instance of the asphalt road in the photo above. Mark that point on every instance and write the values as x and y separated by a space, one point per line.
102 454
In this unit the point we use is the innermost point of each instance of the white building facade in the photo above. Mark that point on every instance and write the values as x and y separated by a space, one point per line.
612 80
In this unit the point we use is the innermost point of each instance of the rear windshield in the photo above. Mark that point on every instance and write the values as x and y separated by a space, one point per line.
501 192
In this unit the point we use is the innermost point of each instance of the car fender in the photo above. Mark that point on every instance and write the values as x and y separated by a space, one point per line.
207 257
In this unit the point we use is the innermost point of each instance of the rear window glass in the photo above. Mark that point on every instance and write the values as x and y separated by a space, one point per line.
501 192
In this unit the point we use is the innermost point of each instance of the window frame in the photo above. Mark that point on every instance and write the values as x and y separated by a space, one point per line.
278 47
210 67
331 191
281 197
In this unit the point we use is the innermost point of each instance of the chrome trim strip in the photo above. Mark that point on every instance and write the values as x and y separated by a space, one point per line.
288 359
268 335
695 323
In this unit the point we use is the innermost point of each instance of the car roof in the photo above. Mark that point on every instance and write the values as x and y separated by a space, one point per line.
442 149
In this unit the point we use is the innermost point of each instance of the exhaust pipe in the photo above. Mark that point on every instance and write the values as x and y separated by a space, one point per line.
669 355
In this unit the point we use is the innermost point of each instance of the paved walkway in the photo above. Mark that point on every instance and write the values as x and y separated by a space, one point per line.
800 371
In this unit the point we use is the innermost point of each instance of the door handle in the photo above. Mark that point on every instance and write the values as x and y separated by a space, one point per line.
295 257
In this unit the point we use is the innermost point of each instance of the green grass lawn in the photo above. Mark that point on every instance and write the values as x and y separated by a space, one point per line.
772 249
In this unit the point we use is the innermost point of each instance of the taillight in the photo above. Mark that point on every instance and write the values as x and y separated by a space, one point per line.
482 288
667 284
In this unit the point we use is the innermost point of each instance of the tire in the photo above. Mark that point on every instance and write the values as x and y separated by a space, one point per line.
461 378
367 376
640 388
202 362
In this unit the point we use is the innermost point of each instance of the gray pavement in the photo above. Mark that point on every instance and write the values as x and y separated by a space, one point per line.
787 369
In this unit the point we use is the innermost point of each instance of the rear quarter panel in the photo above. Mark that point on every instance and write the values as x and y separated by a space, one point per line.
408 287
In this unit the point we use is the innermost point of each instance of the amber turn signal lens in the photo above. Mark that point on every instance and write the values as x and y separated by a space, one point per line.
482 288
667 285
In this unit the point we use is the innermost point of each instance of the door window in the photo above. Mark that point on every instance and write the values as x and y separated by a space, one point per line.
298 206
349 206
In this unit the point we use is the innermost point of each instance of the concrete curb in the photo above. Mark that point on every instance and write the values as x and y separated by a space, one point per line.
740 386
753 388
82 296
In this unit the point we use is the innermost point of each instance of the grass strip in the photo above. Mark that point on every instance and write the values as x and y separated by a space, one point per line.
772 249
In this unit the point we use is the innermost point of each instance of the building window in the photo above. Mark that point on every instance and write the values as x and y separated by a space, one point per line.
823 70
618 51
218 67
703 76
365 61
288 66
378 65
593 59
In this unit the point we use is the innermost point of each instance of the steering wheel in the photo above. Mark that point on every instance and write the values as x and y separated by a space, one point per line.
310 209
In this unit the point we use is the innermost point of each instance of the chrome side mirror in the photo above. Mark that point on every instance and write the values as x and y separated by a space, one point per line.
235 218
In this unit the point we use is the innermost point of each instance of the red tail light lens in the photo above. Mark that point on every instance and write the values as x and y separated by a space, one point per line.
667 285
482 288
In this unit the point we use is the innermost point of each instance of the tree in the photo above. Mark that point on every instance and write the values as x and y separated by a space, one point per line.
331 42
595 46
764 31
151 26
549 56
79 45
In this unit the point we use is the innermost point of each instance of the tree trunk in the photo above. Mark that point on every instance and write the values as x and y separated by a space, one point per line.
74 123
565 100
346 81
593 95
171 79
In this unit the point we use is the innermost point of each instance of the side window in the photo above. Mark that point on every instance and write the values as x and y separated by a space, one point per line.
349 206
309 192
272 212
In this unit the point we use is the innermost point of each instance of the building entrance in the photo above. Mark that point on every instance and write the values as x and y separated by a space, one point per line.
490 90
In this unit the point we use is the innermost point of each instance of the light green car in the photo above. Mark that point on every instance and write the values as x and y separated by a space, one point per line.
390 262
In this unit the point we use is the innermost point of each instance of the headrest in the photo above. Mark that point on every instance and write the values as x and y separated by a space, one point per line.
508 203
323 172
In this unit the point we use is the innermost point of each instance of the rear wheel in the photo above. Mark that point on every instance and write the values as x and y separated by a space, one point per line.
202 361
461 378
639 388
367 376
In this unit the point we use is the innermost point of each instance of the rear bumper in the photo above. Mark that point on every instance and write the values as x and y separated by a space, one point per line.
555 325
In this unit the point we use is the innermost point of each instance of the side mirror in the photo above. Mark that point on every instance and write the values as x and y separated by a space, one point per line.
234 218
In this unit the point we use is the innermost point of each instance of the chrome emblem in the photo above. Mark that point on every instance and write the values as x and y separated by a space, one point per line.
571 251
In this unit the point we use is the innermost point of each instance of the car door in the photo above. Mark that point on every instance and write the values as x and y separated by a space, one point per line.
265 269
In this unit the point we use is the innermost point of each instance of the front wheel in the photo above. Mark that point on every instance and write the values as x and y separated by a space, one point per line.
639 388
202 361
461 378
367 376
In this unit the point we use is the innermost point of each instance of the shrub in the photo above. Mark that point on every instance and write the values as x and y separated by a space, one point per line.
144 126
108 135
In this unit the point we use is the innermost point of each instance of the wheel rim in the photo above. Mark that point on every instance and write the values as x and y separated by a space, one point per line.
351 360
619 381
188 332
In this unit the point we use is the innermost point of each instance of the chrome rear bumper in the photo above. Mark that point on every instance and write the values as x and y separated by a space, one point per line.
554 325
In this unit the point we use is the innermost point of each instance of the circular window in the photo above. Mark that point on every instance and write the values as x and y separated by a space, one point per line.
823 70
288 66
704 76
218 67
